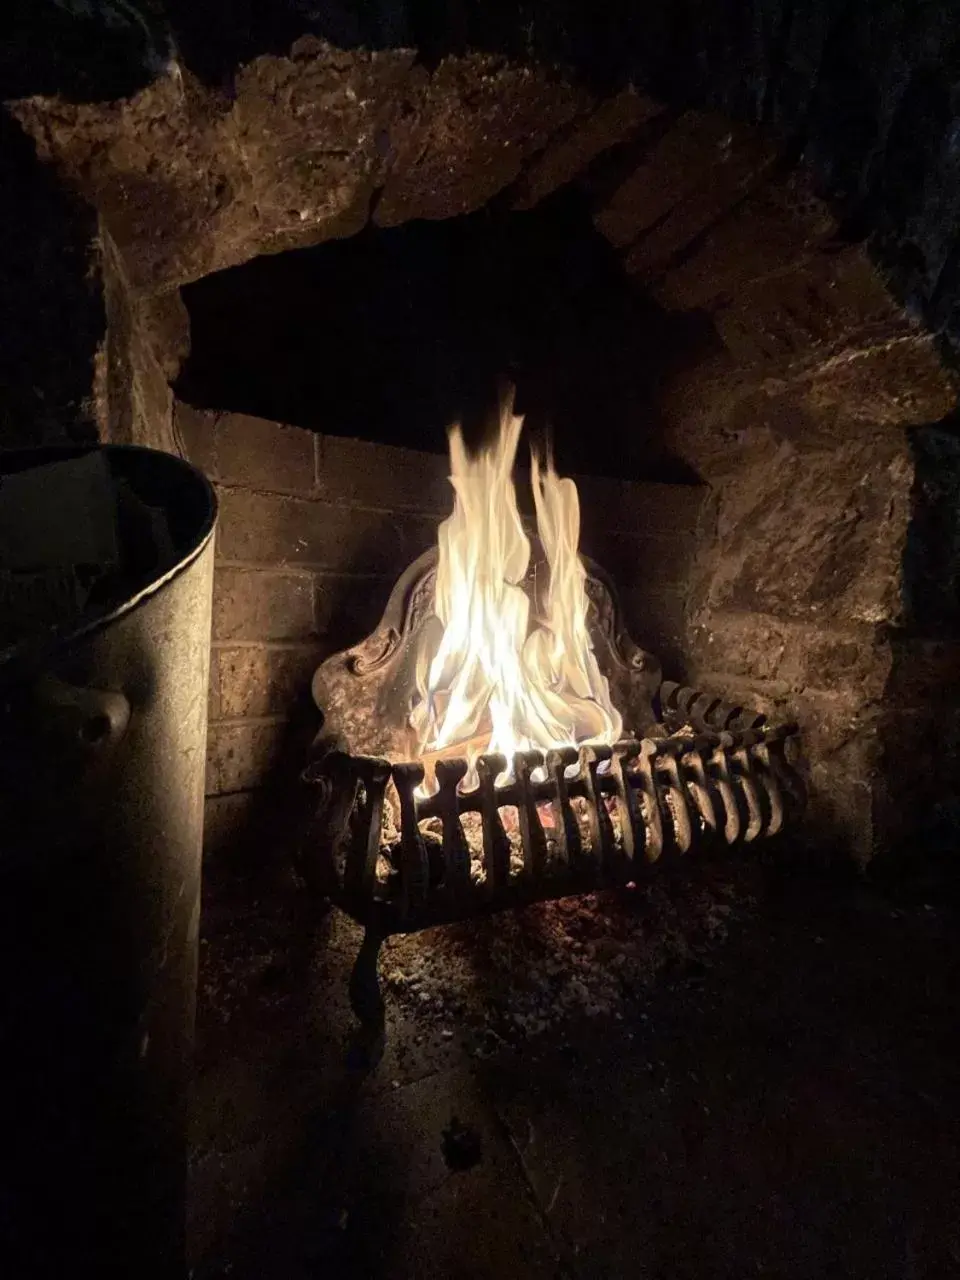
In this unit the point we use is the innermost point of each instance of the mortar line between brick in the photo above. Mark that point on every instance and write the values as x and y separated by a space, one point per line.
283 646
300 569
773 689
594 550
339 504
652 534
312 569
802 627
233 722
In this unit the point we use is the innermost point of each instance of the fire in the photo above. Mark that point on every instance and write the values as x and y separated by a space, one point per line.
500 680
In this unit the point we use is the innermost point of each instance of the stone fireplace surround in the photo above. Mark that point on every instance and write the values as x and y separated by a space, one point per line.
810 570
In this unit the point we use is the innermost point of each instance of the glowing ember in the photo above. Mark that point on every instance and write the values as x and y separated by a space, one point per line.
496 680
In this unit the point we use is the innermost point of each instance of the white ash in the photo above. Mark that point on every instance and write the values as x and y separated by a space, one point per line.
517 973
431 831
239 948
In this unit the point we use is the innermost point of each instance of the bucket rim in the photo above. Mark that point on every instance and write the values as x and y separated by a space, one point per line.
40 648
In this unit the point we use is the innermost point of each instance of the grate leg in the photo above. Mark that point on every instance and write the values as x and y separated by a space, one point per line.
366 998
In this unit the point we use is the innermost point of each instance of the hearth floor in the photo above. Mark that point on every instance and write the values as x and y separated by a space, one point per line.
781 1098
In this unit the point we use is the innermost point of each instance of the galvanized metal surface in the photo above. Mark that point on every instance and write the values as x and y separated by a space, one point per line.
102 746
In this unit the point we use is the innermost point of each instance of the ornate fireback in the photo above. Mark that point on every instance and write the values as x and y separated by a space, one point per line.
366 693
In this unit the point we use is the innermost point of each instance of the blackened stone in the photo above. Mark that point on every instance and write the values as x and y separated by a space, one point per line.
51 308
462 1146
464 135
932 554
96 50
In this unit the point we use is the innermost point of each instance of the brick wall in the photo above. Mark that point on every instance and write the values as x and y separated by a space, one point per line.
313 532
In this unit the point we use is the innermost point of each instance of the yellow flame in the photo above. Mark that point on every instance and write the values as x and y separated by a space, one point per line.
527 686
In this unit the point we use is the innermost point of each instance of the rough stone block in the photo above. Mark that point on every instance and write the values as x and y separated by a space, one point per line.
135 403
776 413
840 734
467 131
260 680
569 153
241 754
197 434
840 757
160 180
237 449
815 534
856 662
682 163
187 189
743 646
267 529
898 382
739 167
875 775
253 604
695 404
881 780
797 657
151 398
806 313
165 324
774 226
377 475
309 128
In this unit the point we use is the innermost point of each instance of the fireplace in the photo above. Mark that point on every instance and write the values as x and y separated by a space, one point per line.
713 247
757 425
500 740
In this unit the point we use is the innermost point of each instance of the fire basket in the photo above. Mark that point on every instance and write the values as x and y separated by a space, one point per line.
697 774
499 739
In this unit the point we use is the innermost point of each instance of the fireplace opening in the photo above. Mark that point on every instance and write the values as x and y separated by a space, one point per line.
393 334
482 748
308 269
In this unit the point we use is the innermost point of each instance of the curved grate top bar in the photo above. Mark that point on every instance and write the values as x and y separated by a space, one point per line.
640 801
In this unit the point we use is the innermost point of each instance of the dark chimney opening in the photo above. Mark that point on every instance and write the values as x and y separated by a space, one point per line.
391 335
